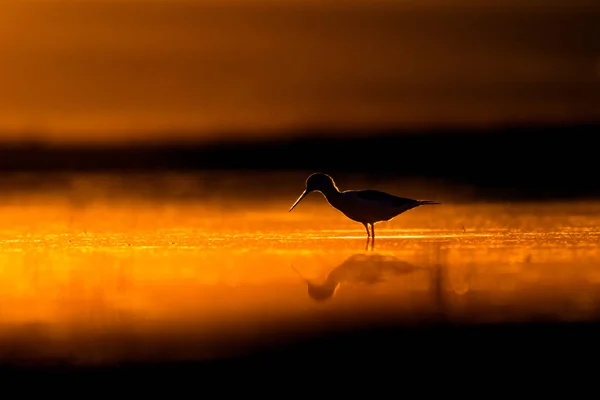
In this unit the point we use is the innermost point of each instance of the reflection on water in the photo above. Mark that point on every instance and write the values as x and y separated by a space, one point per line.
366 269
105 283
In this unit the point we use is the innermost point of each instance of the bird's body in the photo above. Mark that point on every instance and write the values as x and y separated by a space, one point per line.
365 206
370 206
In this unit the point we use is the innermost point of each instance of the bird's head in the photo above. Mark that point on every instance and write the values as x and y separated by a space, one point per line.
323 291
319 292
317 182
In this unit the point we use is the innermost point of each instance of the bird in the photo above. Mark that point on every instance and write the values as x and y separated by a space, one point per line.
365 206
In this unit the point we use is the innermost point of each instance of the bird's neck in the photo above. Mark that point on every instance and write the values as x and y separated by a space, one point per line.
330 192
333 196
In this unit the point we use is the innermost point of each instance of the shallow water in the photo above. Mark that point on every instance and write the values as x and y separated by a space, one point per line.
154 280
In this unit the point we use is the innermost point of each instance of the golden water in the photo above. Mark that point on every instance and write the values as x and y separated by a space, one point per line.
141 279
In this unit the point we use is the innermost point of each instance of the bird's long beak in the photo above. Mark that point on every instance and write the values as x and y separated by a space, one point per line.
299 198
299 274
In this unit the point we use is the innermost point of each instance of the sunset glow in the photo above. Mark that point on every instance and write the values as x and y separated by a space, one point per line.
116 70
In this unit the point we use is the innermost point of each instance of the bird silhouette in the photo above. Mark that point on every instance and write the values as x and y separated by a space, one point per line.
365 206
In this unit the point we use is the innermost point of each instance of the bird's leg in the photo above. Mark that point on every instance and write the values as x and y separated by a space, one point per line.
371 239
373 231
367 228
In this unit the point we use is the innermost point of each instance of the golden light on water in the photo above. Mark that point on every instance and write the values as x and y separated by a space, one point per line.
109 281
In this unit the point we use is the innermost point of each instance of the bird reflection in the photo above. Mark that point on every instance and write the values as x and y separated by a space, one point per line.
359 268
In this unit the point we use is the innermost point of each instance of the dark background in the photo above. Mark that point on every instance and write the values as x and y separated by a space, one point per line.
501 96
515 162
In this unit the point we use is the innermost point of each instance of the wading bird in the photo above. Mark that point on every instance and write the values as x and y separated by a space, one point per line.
365 206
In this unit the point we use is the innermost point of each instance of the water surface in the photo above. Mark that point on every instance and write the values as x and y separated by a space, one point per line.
144 279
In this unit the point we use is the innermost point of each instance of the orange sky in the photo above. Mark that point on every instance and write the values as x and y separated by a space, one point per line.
115 69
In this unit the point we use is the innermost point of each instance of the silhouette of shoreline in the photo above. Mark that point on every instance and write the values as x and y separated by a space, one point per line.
535 162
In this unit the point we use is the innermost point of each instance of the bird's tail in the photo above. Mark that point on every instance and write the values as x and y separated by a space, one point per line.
425 202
